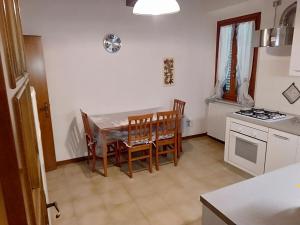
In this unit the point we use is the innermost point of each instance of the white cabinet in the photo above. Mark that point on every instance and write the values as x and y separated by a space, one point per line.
281 150
298 152
295 62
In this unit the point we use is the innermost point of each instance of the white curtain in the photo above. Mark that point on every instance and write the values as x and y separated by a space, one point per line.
245 60
224 59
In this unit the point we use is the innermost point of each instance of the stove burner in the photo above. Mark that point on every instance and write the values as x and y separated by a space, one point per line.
262 114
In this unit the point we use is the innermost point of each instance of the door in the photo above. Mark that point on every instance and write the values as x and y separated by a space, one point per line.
247 153
22 199
282 150
37 74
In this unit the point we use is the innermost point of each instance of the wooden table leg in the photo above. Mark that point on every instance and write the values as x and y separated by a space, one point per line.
103 137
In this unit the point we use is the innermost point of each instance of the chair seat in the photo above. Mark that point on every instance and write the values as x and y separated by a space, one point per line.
167 136
139 142
146 141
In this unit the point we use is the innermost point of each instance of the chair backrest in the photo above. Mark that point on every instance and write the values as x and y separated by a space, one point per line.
167 124
87 127
179 106
140 129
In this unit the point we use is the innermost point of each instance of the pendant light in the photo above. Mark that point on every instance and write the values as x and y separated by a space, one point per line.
156 7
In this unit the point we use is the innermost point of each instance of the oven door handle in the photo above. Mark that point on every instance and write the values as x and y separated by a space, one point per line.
281 137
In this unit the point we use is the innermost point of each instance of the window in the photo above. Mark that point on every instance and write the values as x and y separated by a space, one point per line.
236 59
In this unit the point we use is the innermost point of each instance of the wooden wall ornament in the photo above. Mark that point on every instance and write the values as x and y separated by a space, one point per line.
169 71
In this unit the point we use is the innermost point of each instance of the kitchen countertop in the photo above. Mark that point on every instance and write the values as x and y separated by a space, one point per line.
270 199
290 125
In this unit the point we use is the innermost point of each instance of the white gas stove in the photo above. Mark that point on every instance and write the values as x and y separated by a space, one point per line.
263 114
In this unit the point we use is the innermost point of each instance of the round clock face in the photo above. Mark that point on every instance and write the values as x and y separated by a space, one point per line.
112 43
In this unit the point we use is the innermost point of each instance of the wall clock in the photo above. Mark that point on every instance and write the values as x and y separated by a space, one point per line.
112 43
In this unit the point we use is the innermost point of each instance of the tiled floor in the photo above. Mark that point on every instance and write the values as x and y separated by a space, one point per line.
168 197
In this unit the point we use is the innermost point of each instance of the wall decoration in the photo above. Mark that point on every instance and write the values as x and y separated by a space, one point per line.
112 43
292 93
169 71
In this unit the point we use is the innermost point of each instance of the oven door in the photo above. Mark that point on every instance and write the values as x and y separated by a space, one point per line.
247 153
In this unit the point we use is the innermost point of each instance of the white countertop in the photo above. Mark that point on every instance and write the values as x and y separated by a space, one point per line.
270 199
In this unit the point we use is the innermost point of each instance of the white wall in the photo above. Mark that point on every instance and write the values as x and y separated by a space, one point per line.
82 74
273 63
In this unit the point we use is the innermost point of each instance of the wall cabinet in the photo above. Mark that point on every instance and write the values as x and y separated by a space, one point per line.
281 150
295 62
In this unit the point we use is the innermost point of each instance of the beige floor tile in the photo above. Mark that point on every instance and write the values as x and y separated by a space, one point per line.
60 195
66 209
125 213
83 190
170 196
87 204
165 217
95 217
70 221
151 204
116 197
189 211
59 172
175 195
139 188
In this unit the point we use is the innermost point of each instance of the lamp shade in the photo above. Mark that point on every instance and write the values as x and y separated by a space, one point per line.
156 7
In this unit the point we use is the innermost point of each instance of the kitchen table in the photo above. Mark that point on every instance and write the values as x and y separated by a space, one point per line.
108 123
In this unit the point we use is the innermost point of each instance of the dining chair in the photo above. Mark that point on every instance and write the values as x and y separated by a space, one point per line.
179 106
140 140
91 141
166 135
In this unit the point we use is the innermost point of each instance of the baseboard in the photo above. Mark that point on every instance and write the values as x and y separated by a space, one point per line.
216 139
80 159
68 161
194 136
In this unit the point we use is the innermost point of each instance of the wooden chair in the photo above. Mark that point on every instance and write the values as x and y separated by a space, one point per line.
179 107
140 140
112 145
166 135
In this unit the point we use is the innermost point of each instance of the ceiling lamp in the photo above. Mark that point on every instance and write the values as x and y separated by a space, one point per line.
156 7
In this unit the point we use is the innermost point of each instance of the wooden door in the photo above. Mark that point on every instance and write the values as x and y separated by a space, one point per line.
21 188
37 78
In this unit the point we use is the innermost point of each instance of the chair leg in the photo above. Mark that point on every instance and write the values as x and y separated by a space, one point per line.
180 142
117 152
156 157
89 156
150 159
175 154
129 164
94 162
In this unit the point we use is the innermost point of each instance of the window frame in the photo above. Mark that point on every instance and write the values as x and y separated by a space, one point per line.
256 17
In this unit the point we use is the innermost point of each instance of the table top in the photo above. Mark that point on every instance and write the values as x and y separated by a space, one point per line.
270 199
119 120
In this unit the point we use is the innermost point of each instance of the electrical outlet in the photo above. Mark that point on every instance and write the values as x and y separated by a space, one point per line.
188 123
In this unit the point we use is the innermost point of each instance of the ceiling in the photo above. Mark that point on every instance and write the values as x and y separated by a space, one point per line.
217 4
